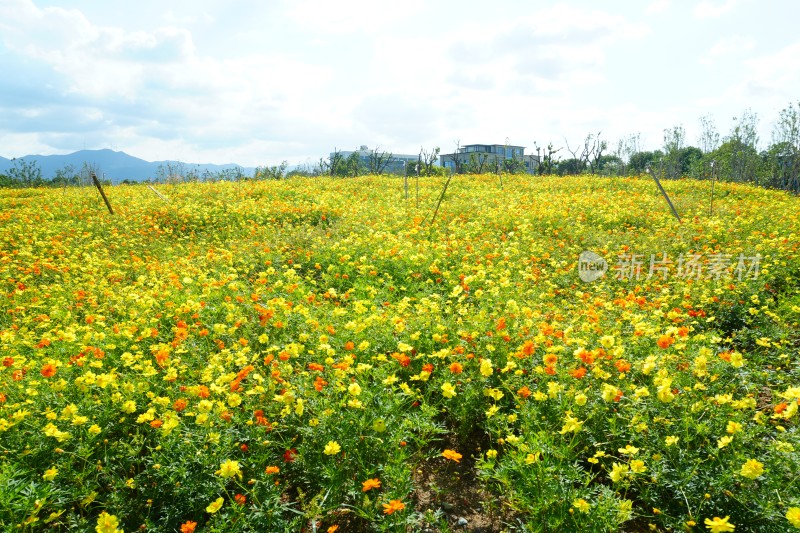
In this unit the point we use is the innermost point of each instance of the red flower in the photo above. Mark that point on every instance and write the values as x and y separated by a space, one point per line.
289 455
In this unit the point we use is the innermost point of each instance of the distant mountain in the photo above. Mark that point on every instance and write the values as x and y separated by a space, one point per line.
117 166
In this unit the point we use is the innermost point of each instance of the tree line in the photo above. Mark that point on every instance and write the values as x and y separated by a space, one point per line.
737 156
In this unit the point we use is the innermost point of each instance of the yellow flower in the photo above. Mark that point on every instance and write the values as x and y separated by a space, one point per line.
719 525
486 368
215 506
229 469
332 448
609 392
448 391
491 454
628 450
532 458
50 474
234 400
637 466
354 389
724 441
129 406
580 399
752 469
581 505
107 523
733 427
793 516
607 341
670 440
618 472
571 424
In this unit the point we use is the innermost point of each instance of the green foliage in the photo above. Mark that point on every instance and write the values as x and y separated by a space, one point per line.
26 173
276 172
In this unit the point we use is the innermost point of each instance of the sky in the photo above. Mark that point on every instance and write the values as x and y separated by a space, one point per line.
256 83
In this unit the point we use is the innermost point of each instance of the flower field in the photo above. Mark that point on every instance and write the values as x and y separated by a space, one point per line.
319 355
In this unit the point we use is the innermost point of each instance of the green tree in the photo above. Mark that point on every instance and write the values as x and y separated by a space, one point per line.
674 139
353 166
26 173
738 158
640 161
548 162
571 166
66 175
783 157
689 160
610 165
275 172
378 160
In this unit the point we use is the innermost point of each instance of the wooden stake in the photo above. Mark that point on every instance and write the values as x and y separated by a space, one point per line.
713 182
100 188
674 212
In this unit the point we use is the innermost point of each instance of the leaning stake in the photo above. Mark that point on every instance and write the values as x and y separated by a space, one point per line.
158 194
674 212
100 188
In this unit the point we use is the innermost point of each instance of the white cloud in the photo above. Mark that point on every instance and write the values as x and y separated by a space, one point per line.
732 45
658 6
347 16
705 10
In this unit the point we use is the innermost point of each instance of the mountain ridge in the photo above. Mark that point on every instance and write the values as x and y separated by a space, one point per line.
117 166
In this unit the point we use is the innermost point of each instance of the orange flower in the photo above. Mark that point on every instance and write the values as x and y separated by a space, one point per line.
402 358
349 345
241 499
48 370
273 470
316 366
578 373
665 341
392 506
524 392
156 423
370 484
622 365
456 368
188 526
452 455
333 529
319 384
528 347
550 359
